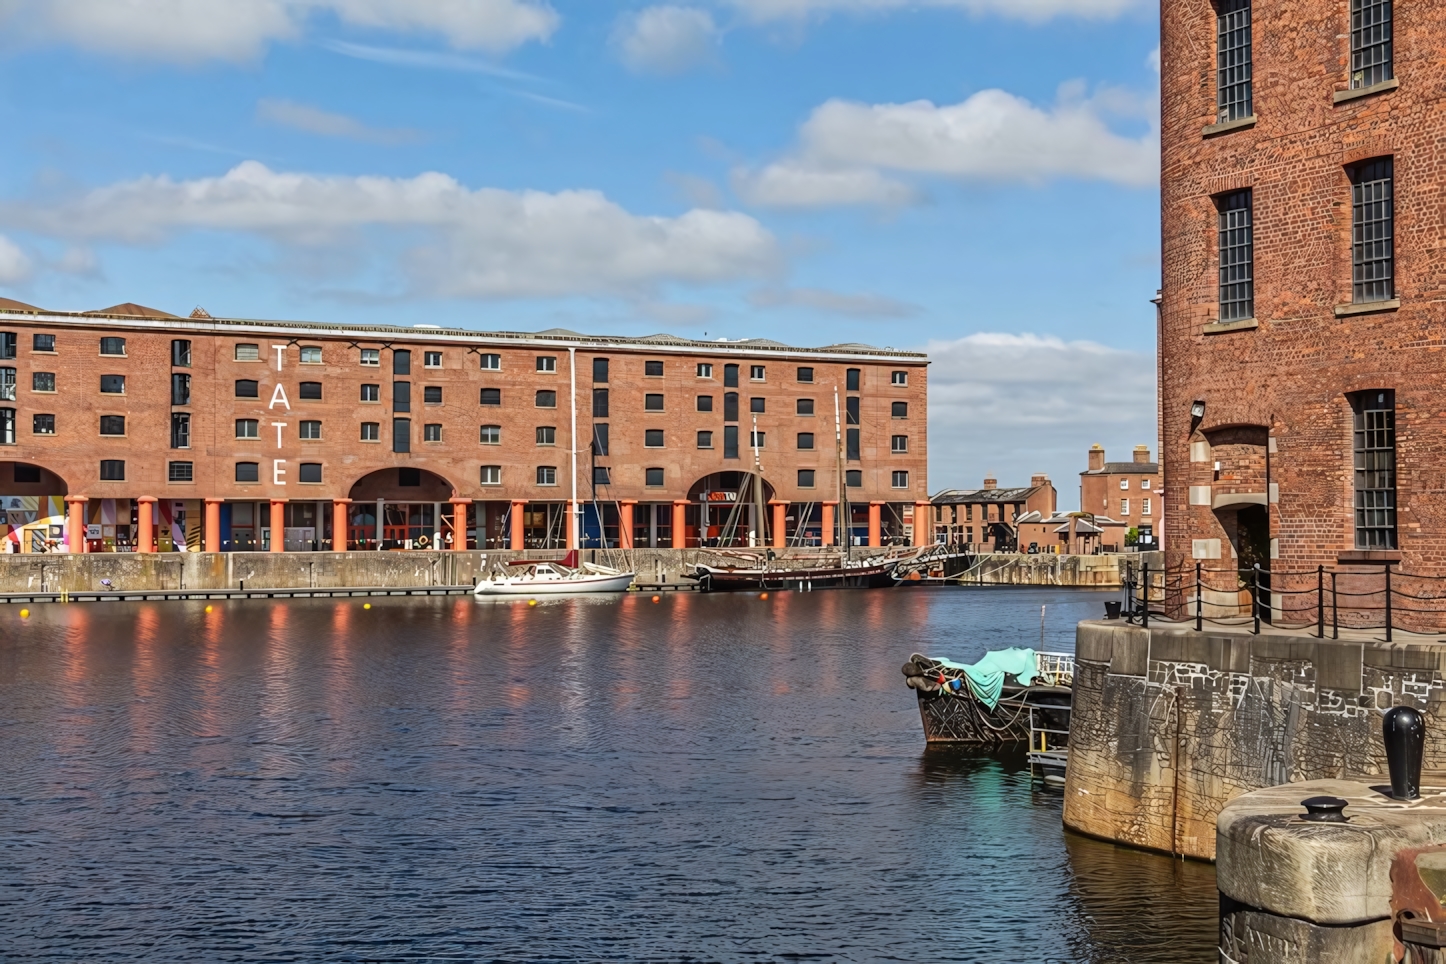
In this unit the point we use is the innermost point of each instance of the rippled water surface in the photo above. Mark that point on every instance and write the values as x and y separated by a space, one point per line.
709 778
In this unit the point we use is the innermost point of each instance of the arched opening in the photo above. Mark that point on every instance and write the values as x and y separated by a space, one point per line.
402 508
1240 499
722 510
32 508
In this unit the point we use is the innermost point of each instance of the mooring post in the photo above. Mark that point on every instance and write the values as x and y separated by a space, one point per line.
1335 609
1145 591
1388 602
1320 602
1255 600
1199 607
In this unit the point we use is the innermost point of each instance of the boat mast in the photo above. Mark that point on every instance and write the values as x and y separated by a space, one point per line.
758 524
844 520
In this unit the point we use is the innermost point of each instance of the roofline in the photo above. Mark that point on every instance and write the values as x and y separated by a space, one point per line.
440 335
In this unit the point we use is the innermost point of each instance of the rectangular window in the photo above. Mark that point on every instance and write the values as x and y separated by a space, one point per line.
600 371
7 426
805 375
804 406
432 394
180 389
1124 483
653 438
1124 507
432 432
371 431
432 359
248 388
730 376
491 396
600 439
491 363
705 403
805 478
248 471
310 429
1236 245
899 378
705 440
854 478
705 370
547 399
491 475
40 343
180 353
546 475
899 444
371 357
244 352
180 430
401 362
371 393
900 409
248 428
730 441
653 369
756 406
757 439
601 475
653 477
653 402
310 472
110 346
42 381
1371 59
730 406
851 444
805 441
1375 467
311 391
180 472
599 403
1144 507
8 344
1232 60
851 410
42 425
401 396
755 373
112 470
1372 232
311 355
491 435
546 435
401 435
547 363
112 425
113 384
901 480
851 380
7 384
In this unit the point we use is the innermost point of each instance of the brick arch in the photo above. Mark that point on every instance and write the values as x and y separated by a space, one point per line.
389 484
49 481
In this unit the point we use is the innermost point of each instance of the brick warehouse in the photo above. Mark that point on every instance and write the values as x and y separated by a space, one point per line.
132 429
1303 382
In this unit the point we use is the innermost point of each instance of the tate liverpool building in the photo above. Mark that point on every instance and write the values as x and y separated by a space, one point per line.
128 429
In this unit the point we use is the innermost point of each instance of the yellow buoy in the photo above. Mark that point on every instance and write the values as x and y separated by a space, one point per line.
24 614
366 605
532 602
208 609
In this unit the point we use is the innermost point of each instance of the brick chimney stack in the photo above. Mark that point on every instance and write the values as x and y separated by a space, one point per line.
1142 453
991 483
1097 457
1035 481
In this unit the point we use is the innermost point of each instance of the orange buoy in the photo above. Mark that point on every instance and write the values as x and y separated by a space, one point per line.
763 595
656 598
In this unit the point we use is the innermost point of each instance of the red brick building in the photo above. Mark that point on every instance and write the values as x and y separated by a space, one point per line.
1122 496
132 429
1301 320
987 519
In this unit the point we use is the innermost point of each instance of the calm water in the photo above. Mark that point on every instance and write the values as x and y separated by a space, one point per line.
709 778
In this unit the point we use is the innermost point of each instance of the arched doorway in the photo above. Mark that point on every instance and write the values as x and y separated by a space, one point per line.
32 508
722 509
402 508
1240 498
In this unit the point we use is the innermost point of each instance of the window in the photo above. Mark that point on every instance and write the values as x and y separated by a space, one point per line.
653 477
43 425
851 410
899 444
705 403
181 353
900 409
1370 43
39 343
311 355
547 363
805 375
247 388
401 396
705 370
248 428
1124 507
805 441
1144 507
546 475
730 406
491 396
248 471
180 389
112 470
432 359
310 472
851 380
244 352
491 475
491 435
112 425
653 402
7 426
756 406
401 435
547 399
1145 484
730 441
432 432
599 403
653 438
1375 469
311 429
653 369
854 478
899 378
600 475
730 376
371 393
1237 256
180 430
432 394
311 391
757 439
7 384
108 346
804 406
371 431
705 440
805 478
42 381
755 373
1232 60
900 480
401 362
600 439
113 384
1372 229
546 435
600 370
8 344
1124 483
371 357
491 363
180 472
851 444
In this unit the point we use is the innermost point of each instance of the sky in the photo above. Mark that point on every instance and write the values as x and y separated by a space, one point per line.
977 179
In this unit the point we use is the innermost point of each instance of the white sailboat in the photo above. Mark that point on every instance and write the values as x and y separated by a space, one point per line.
525 577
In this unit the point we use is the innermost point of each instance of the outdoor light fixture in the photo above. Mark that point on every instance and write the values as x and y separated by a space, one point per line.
1197 411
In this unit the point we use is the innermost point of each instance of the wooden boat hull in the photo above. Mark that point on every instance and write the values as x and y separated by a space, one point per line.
963 720
713 579
555 587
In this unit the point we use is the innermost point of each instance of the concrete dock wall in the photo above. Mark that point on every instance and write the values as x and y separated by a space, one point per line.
1170 724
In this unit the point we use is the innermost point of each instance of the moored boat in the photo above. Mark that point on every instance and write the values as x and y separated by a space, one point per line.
525 577
982 704
870 574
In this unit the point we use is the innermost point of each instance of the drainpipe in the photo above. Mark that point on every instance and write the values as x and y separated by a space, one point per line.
576 541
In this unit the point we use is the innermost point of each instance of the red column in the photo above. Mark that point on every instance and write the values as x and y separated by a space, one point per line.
876 523
923 523
517 509
75 523
573 524
146 529
213 525
459 524
625 523
828 522
680 523
339 524
278 525
780 524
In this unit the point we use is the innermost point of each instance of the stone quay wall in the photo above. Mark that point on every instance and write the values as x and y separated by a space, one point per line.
1105 571
1170 724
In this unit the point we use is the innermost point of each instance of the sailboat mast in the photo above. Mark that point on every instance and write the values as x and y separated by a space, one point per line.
758 525
845 513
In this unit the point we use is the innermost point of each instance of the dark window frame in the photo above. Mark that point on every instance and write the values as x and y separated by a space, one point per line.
309 391
112 470
1234 93
248 388
1372 41
1373 228
248 472
1235 247
1373 448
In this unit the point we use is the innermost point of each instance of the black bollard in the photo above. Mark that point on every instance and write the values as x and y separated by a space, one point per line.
1404 732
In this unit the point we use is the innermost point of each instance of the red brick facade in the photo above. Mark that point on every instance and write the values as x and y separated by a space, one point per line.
1128 494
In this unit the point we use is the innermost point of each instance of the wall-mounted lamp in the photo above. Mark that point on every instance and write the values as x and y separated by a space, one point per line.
1197 411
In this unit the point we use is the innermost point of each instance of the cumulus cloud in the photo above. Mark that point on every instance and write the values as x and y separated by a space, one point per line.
1011 405
314 120
194 31
442 237
1034 11
14 265
833 302
806 182
666 39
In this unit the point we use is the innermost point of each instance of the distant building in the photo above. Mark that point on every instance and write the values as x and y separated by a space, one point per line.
1122 496
986 519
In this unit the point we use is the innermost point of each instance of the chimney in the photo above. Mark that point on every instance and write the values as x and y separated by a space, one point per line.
991 483
1035 481
1142 453
1097 457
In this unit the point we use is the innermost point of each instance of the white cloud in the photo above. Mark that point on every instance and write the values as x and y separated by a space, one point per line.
833 302
666 39
313 120
440 237
1011 405
1034 11
194 31
806 183
14 265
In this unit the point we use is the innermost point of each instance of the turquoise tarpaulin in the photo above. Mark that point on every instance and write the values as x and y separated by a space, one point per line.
986 677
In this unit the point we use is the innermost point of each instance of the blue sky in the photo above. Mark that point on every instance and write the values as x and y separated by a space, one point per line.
974 177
